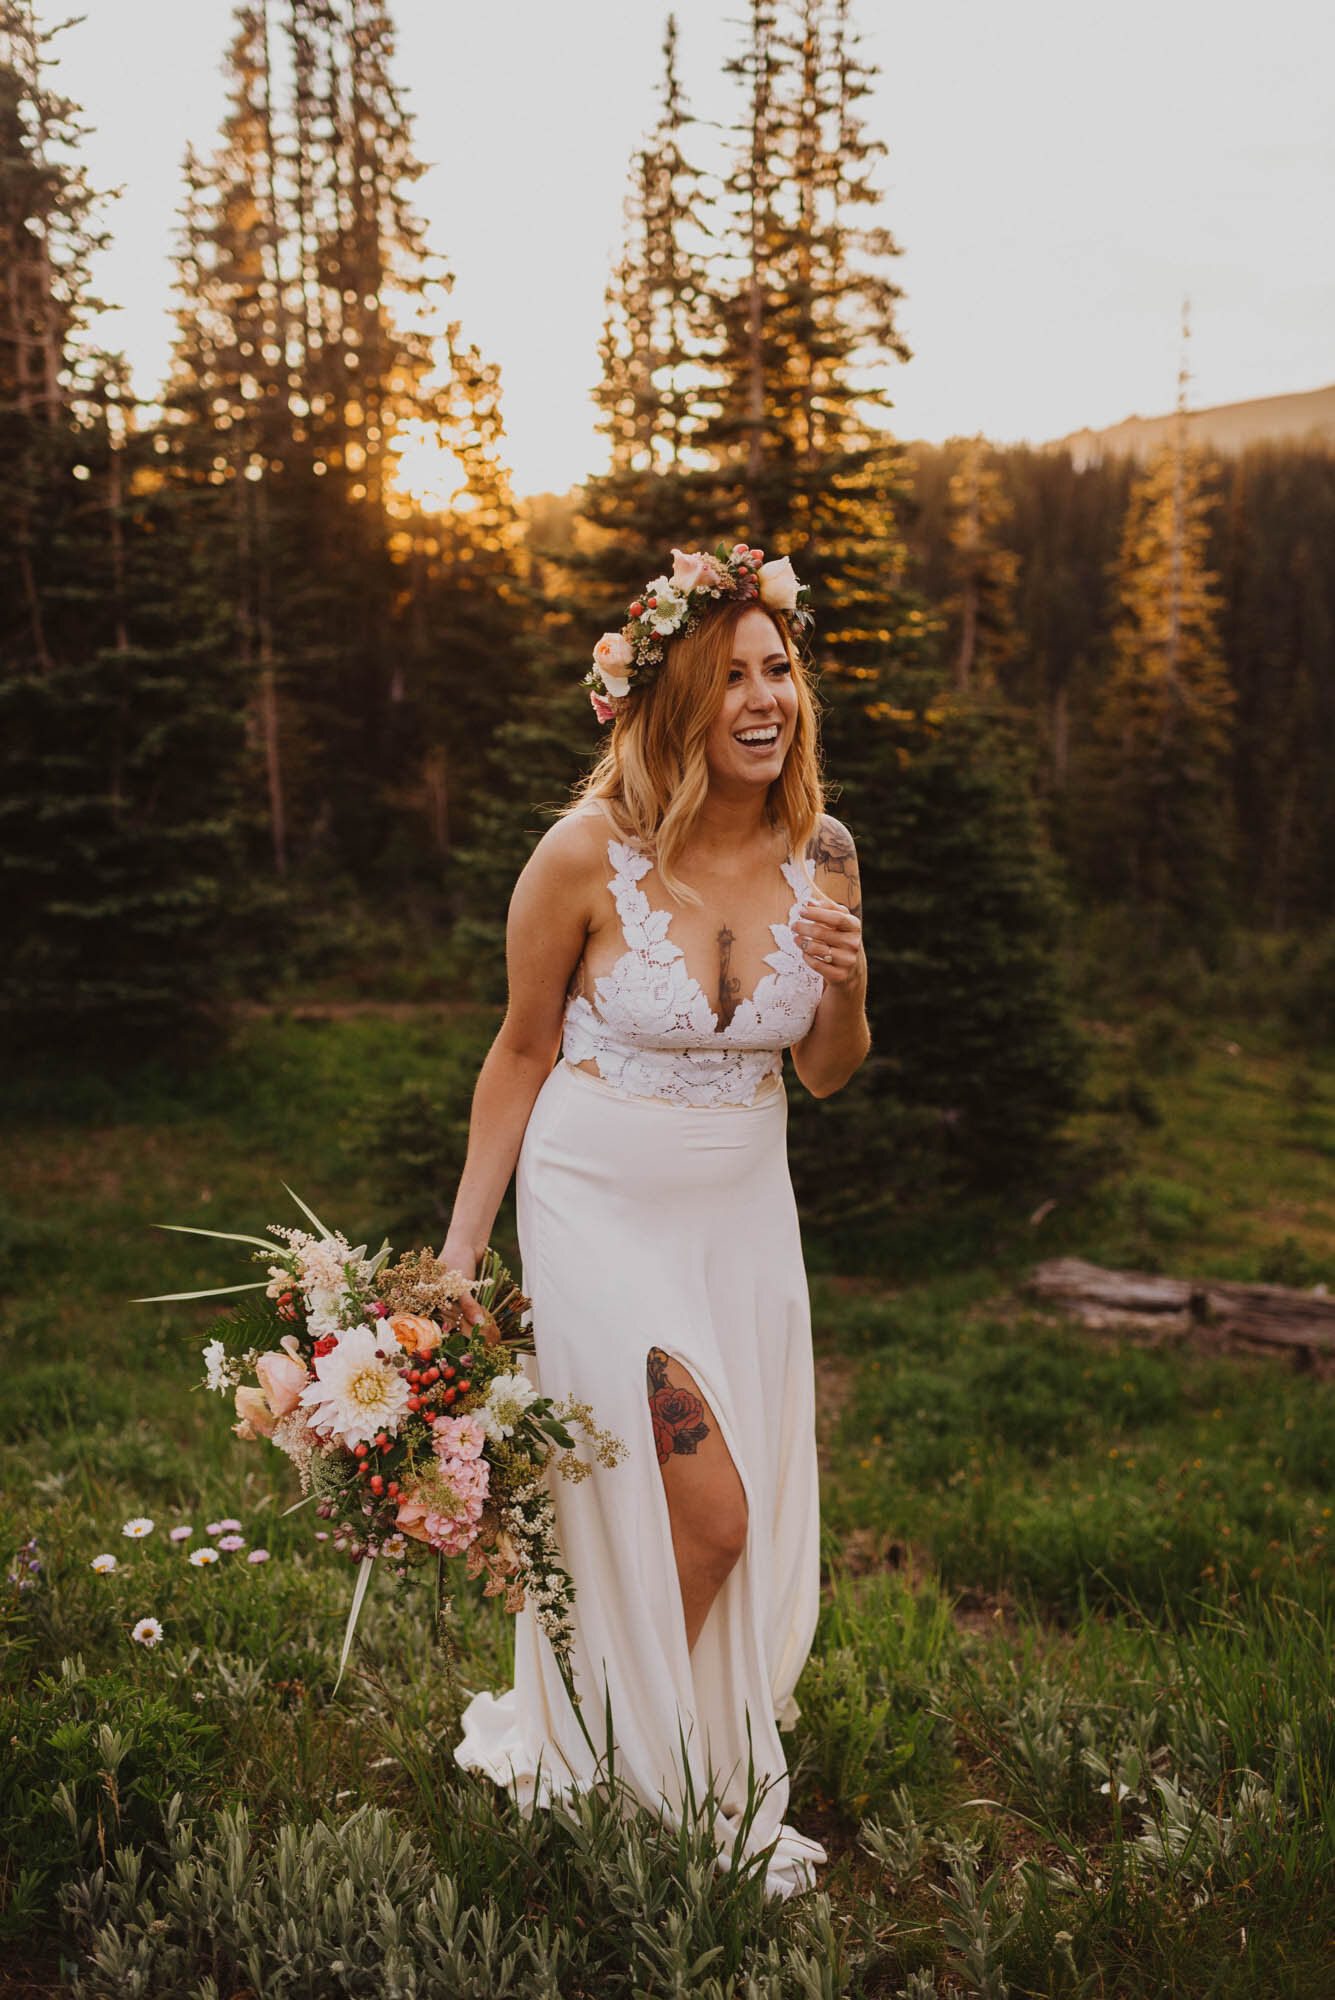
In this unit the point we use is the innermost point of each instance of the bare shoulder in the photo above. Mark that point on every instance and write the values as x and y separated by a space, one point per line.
571 855
833 860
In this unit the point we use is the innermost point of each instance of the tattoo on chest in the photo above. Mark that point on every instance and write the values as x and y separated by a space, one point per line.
729 985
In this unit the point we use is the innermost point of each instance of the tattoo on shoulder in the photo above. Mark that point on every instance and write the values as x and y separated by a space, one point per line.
831 848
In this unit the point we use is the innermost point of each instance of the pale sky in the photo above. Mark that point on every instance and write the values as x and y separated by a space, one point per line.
1060 175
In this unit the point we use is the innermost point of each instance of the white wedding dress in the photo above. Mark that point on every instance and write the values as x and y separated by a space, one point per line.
655 1210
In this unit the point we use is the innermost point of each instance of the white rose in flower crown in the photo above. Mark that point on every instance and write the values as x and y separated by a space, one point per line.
612 655
778 584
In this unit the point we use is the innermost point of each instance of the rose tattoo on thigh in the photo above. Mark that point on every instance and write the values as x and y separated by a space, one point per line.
678 1414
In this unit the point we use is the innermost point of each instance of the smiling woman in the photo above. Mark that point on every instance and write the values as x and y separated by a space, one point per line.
656 1216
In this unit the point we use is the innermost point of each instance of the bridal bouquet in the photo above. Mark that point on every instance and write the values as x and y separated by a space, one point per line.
411 1429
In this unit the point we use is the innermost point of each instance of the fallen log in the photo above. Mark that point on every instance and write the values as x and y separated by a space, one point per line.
1217 1310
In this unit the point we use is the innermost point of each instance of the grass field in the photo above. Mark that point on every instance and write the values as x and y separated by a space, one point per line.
1069 1723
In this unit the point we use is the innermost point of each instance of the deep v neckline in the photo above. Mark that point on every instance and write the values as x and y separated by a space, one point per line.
660 948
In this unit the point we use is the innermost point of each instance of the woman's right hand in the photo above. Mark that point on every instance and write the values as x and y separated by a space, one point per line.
463 1258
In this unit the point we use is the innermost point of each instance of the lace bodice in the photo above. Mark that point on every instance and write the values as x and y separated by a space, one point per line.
654 1034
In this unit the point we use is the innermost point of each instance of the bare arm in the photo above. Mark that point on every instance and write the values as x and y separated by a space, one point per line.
545 932
830 930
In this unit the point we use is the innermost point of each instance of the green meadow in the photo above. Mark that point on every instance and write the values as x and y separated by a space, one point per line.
1069 1723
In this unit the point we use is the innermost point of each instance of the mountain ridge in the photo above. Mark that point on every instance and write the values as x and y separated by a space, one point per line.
1307 416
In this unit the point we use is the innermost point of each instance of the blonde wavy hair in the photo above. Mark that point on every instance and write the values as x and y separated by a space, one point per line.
652 778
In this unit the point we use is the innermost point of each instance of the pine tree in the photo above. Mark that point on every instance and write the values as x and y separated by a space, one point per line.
118 733
984 573
656 354
1163 823
306 356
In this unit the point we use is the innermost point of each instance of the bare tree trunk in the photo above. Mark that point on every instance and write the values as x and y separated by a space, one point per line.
268 684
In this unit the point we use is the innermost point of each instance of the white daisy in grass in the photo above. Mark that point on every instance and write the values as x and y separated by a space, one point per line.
103 1564
358 1390
201 1557
147 1632
138 1528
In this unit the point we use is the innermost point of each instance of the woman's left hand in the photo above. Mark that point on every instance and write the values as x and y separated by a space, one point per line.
831 940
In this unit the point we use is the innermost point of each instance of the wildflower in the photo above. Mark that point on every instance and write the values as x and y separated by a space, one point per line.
258 1556
231 1542
138 1528
103 1564
214 1528
182 1532
229 1526
322 1534
201 1556
147 1632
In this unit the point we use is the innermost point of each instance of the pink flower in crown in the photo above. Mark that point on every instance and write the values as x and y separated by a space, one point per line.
602 709
612 656
458 1437
693 570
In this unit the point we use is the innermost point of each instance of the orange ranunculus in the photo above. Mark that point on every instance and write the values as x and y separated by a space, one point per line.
414 1332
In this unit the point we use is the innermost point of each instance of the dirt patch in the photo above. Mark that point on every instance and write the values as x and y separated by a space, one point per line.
835 1376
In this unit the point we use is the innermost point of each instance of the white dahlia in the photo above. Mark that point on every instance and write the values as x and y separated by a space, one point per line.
357 1391
507 1399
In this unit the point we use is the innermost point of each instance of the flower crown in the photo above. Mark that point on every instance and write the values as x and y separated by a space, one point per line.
624 662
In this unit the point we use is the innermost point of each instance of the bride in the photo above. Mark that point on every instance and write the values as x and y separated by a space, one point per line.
691 915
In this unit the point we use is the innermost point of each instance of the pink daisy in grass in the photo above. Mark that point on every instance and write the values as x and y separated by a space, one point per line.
229 1526
147 1632
181 1533
214 1528
258 1556
322 1534
232 1542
